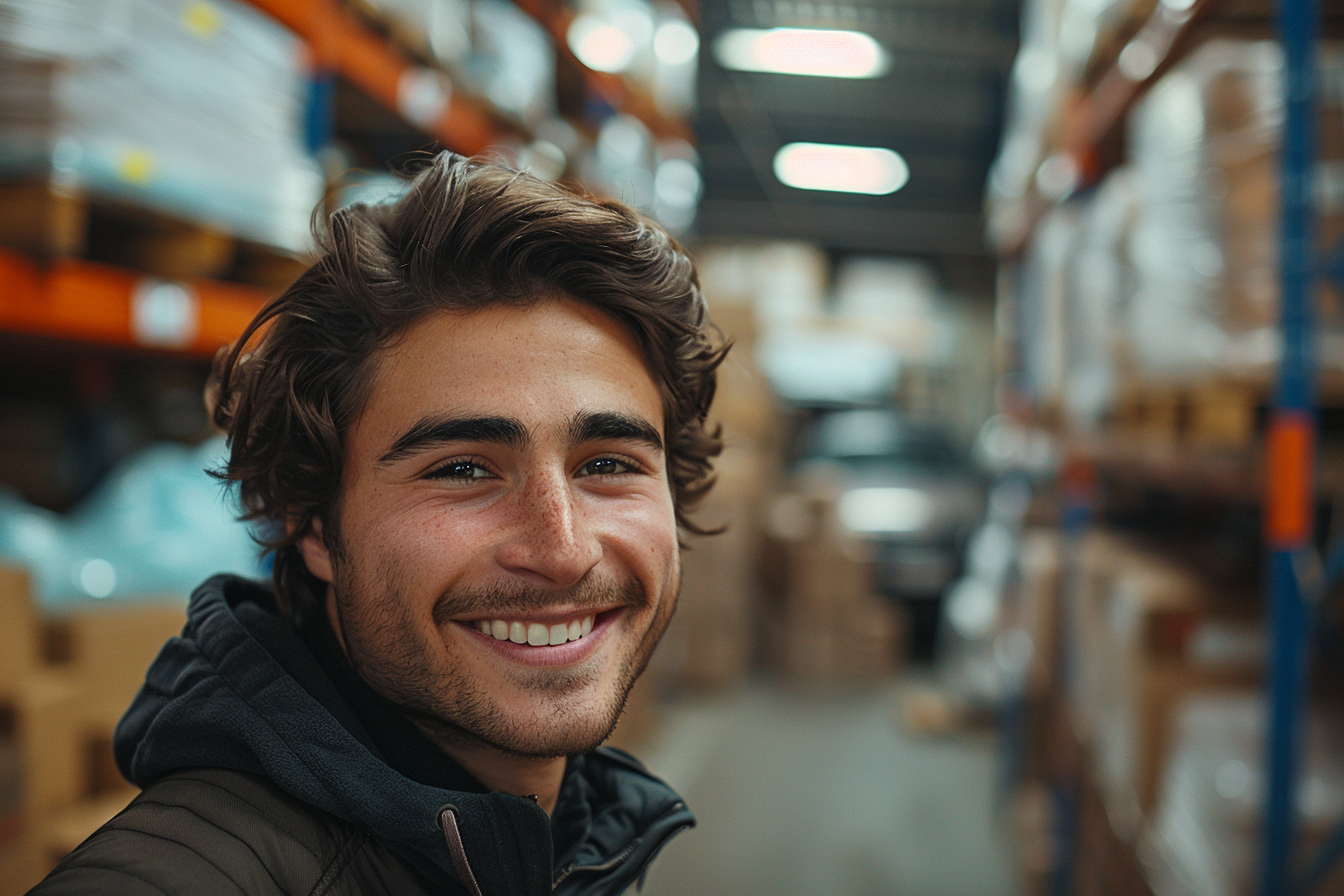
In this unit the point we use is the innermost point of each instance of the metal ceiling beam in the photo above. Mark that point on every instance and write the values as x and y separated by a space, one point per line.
848 228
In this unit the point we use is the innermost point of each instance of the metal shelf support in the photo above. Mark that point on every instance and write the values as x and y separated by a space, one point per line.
1290 455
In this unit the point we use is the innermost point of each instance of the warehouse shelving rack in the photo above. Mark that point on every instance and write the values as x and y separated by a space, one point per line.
1290 449
72 299
1297 577
341 43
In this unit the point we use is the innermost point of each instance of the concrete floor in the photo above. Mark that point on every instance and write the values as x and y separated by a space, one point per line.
824 794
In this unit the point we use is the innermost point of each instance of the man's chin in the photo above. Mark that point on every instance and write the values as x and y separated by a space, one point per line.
563 732
566 734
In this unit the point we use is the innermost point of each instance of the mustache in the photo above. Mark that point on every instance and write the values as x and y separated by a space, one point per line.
518 598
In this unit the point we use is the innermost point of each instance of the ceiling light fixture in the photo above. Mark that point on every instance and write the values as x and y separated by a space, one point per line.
841 169
676 42
801 51
599 44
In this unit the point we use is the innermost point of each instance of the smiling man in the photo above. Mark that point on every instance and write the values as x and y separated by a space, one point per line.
474 429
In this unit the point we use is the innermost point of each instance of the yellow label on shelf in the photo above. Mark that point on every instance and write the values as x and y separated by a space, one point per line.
202 19
136 166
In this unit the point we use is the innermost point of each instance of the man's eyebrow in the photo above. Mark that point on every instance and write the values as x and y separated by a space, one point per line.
430 432
596 426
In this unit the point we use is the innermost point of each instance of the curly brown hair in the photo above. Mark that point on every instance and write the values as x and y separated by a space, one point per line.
467 234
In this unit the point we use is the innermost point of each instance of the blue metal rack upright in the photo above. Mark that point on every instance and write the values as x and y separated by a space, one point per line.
1290 448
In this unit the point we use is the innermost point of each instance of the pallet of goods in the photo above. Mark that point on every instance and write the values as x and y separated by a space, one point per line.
195 111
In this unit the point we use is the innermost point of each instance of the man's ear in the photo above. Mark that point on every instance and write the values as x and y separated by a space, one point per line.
315 553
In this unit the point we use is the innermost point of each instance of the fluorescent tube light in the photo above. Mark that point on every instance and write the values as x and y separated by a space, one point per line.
801 51
841 169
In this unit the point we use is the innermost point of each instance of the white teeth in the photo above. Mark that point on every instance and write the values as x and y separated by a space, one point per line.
535 633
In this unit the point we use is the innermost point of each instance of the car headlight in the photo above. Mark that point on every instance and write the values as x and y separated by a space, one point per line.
885 510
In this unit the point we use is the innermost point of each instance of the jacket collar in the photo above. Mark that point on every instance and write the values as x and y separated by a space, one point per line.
239 689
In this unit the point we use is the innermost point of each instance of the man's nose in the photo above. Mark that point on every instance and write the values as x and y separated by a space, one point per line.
552 537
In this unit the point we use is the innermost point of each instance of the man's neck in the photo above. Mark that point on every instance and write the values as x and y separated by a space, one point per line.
506 773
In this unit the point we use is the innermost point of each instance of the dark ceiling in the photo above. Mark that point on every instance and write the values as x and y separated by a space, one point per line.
940 106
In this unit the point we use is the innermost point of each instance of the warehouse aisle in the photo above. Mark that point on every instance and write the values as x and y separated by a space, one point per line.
825 794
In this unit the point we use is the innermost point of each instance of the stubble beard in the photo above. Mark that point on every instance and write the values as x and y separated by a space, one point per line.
386 647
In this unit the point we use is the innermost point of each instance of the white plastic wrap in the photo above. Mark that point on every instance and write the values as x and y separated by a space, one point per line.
1099 281
1205 834
1044 299
194 107
1058 39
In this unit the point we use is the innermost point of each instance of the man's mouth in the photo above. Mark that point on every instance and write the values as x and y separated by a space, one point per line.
537 634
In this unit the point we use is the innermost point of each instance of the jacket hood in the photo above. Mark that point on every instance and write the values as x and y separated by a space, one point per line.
240 690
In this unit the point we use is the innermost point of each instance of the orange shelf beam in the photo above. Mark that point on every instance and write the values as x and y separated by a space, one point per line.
340 40
88 302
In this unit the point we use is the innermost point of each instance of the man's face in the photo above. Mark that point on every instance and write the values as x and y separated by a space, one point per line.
506 483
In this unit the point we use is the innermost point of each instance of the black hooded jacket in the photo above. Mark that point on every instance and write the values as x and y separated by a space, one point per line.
269 767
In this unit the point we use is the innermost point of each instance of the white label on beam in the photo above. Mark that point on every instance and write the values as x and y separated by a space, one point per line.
164 314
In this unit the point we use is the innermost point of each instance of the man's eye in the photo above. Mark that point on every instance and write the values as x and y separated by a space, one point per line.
605 466
459 470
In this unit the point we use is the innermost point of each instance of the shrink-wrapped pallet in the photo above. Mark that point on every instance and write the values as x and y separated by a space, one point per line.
1206 836
1205 149
196 108
1099 281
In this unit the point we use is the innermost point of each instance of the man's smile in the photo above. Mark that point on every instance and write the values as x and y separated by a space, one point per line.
550 641
538 634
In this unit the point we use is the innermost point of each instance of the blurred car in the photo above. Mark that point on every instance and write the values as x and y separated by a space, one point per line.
907 489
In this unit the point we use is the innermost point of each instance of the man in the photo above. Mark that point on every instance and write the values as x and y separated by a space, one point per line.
474 427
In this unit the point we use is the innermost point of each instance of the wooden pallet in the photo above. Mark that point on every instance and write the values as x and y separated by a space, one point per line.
1207 413
46 220
1215 412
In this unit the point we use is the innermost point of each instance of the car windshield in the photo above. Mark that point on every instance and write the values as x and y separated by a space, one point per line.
863 437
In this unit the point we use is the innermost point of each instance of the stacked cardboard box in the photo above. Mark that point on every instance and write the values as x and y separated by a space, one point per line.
1241 109
710 643
64 683
1148 634
824 621
18 659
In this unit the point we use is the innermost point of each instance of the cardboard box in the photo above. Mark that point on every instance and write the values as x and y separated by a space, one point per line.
64 715
861 645
19 624
1147 634
107 651
51 747
20 866
710 643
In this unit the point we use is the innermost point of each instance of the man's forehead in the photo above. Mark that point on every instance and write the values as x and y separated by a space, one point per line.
542 365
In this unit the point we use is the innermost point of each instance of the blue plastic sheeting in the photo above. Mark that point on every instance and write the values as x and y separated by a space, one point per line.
157 525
